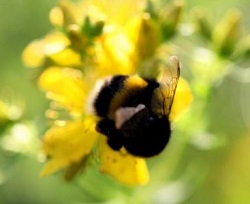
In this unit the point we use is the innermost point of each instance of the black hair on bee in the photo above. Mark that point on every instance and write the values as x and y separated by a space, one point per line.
134 111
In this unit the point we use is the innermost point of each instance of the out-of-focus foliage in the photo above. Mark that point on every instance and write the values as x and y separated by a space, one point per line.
207 160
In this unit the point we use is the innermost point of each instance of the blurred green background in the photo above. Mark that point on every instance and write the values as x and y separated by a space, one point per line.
216 164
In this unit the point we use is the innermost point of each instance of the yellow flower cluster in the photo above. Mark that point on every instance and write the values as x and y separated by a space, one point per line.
92 39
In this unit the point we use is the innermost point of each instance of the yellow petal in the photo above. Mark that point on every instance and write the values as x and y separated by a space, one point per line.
116 12
68 144
33 55
55 42
122 166
65 86
75 168
56 16
182 100
68 12
37 51
53 165
114 54
66 58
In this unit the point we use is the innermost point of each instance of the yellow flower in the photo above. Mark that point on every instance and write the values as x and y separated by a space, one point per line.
54 48
93 35
124 167
114 54
65 87
113 12
99 38
68 143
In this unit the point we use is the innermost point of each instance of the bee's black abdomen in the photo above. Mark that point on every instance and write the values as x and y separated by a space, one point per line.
107 127
106 94
148 137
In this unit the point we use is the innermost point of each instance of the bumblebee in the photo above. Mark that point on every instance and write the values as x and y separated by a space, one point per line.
134 111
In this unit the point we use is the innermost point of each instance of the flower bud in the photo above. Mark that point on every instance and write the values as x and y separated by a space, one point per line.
202 24
62 15
169 17
144 33
226 33
77 39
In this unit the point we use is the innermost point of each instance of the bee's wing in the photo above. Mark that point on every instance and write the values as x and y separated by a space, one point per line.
163 96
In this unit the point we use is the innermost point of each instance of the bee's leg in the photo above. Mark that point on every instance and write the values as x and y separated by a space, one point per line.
107 127
115 144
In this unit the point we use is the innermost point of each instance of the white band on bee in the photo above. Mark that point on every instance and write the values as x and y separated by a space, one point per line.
125 113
